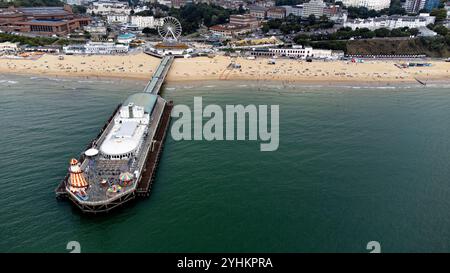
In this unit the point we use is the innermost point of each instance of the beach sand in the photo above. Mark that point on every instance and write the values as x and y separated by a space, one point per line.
141 66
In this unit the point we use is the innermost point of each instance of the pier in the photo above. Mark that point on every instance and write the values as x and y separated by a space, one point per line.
154 85
149 157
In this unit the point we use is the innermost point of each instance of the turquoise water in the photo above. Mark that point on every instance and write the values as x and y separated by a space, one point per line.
354 165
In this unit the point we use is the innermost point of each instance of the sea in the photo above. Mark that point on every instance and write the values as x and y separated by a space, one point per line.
355 164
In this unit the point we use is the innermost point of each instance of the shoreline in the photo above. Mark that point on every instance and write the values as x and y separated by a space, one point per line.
140 67
207 83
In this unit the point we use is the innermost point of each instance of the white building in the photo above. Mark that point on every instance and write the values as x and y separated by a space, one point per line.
299 52
447 7
74 2
313 7
99 29
108 7
126 137
9 47
391 22
414 5
370 4
96 48
126 38
296 10
145 21
117 18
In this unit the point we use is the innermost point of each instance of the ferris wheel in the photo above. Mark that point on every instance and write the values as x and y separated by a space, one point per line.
170 29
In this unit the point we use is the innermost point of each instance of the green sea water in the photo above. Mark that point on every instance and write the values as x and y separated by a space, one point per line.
354 165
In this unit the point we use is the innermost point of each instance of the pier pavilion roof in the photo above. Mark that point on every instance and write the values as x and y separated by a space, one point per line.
145 100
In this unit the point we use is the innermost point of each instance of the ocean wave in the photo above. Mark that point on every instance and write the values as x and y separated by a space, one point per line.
8 82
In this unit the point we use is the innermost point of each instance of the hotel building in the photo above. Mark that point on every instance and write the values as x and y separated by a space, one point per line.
42 20
391 22
244 20
229 30
314 7
276 13
370 4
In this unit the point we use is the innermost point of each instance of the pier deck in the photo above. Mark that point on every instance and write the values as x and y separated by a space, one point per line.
154 85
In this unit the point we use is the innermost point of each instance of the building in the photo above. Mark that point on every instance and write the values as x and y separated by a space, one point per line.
126 38
96 29
74 2
314 7
391 22
447 7
229 31
145 22
336 14
296 10
42 20
258 12
447 24
265 3
414 6
244 20
230 4
369 4
432 4
117 18
8 47
180 3
298 52
105 7
96 48
276 13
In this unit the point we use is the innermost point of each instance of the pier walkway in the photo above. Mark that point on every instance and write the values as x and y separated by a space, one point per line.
154 85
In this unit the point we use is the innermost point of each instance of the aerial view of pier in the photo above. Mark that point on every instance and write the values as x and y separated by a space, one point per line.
224 135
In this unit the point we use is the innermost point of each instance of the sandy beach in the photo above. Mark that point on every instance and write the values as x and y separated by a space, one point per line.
141 66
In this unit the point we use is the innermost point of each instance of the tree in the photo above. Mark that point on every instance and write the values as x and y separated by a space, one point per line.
78 9
312 19
441 14
396 8
447 39
441 30
382 32
146 31
414 31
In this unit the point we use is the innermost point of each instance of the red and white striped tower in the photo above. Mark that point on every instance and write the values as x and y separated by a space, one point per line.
77 180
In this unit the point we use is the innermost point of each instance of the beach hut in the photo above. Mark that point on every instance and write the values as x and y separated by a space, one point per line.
77 181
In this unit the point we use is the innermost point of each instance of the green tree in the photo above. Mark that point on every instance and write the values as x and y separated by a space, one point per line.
441 30
147 31
382 32
441 14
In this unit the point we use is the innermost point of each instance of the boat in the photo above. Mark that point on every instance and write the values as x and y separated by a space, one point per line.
115 168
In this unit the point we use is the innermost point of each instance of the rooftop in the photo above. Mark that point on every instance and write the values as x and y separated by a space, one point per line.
224 27
145 100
